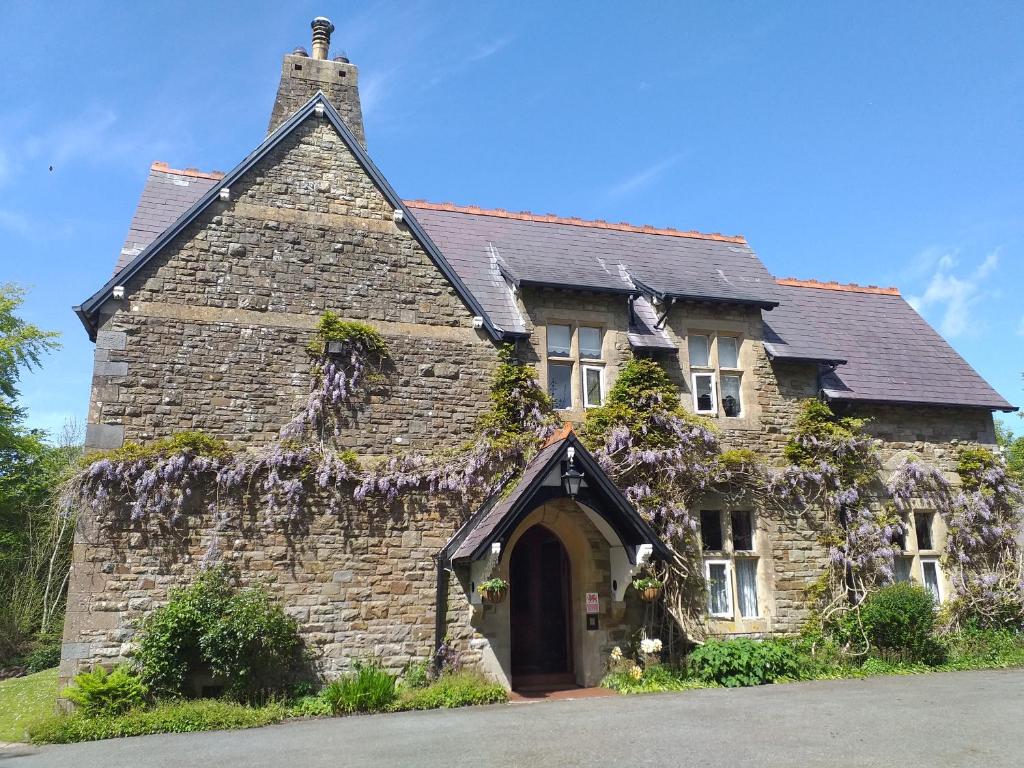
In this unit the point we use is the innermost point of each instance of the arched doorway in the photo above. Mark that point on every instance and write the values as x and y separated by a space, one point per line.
541 610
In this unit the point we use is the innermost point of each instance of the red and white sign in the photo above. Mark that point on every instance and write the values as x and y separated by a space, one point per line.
593 605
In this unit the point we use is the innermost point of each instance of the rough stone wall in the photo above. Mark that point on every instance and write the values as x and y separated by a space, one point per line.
302 77
212 334
361 583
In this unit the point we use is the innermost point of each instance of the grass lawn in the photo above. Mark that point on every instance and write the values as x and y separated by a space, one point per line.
24 700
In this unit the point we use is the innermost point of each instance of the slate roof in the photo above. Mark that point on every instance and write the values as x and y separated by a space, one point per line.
885 352
502 511
891 354
168 193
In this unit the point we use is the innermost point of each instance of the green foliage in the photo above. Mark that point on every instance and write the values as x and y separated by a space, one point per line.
99 693
461 689
818 428
739 459
22 346
369 688
742 661
26 700
192 442
516 399
331 327
167 717
898 621
1013 450
44 655
417 674
242 638
655 678
492 585
971 465
647 582
983 648
35 541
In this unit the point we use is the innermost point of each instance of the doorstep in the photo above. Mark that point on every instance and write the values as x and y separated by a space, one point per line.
530 695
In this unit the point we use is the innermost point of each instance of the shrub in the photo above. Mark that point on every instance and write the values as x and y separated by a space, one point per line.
45 655
370 688
973 648
417 674
462 689
167 717
99 693
242 638
742 661
898 621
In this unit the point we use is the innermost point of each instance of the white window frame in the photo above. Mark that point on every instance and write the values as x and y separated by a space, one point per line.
728 586
714 393
583 382
735 373
938 576
749 556
561 362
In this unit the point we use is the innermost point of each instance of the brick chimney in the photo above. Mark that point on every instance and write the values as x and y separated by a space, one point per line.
302 76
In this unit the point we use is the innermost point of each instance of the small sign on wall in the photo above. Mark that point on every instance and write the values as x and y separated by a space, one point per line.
593 604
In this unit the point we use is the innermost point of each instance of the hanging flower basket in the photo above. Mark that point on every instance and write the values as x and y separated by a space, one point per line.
493 590
648 588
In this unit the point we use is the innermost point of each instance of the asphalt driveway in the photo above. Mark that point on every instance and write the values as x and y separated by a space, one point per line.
953 719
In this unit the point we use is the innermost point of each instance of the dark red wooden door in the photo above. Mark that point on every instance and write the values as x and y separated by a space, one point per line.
540 607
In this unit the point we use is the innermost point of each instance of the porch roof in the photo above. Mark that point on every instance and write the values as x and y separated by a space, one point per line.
541 481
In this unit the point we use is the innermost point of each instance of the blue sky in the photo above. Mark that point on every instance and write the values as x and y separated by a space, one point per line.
864 142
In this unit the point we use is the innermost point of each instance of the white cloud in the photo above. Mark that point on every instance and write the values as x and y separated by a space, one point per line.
644 177
953 295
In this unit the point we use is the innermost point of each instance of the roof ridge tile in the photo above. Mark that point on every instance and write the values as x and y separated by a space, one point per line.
832 285
163 167
575 221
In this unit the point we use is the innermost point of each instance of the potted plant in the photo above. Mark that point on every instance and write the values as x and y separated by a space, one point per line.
493 590
648 587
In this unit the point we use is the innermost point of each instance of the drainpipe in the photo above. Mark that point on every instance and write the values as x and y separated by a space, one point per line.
441 606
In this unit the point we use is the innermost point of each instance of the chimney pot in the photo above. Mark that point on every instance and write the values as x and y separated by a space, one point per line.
322 29
300 51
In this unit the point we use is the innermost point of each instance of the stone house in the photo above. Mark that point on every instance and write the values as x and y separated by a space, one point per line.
223 277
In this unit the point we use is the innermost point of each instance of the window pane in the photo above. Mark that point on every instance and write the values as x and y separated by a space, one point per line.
742 531
558 340
703 393
728 352
592 386
902 568
731 395
718 589
560 384
746 586
698 350
711 529
930 569
590 343
923 525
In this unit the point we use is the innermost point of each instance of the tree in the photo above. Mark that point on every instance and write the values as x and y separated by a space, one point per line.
1013 450
33 541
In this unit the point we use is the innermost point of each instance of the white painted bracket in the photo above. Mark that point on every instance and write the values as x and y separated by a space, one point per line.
224 194
623 570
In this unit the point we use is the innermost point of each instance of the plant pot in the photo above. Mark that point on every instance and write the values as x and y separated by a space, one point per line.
650 594
494 595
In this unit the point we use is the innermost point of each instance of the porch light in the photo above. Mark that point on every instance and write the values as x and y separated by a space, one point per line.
573 478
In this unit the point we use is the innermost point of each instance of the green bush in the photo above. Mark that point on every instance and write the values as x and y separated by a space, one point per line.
168 717
461 689
99 693
370 688
45 655
417 674
241 638
742 661
983 648
898 622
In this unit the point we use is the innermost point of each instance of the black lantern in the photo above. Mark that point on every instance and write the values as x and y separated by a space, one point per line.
573 478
